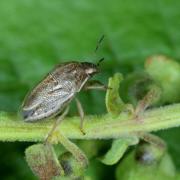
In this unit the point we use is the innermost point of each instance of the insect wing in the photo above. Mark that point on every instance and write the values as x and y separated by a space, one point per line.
48 98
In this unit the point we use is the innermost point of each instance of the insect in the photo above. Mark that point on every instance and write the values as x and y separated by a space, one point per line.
54 93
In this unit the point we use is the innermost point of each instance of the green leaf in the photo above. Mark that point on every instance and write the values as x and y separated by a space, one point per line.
114 104
117 150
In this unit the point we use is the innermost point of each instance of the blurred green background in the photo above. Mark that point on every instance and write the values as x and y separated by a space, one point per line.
36 35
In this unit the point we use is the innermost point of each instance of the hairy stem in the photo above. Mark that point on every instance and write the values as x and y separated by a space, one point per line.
96 127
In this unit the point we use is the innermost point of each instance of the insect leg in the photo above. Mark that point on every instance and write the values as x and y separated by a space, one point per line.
95 85
56 123
81 113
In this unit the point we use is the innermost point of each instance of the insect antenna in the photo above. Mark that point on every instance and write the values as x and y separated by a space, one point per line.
99 62
97 47
99 43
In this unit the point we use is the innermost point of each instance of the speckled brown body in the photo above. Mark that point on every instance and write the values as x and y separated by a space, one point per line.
56 90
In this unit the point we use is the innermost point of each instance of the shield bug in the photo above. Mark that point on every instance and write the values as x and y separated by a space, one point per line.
54 93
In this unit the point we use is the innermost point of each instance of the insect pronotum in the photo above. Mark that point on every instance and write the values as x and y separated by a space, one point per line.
54 93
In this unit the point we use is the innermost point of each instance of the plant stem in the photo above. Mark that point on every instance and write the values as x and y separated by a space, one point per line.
96 127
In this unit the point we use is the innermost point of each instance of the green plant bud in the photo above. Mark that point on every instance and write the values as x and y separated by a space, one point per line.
146 163
166 72
43 161
148 154
73 169
135 86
